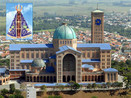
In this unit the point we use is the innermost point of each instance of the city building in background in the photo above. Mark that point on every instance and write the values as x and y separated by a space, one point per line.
30 91
4 76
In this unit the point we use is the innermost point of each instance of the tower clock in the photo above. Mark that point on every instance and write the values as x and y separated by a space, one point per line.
97 26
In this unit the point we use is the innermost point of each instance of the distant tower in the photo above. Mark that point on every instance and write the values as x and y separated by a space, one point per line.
97 26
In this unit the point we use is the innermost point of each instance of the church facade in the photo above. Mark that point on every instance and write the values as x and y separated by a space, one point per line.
64 60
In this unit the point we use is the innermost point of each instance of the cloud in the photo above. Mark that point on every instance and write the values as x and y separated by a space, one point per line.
27 8
30 27
9 18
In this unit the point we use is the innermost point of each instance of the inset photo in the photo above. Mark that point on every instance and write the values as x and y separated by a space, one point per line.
19 24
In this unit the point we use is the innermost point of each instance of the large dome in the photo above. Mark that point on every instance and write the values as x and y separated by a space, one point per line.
38 63
64 32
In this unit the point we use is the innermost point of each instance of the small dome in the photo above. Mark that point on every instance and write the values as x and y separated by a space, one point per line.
87 66
64 32
38 63
110 70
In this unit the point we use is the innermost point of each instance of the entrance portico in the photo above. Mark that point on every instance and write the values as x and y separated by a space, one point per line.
68 65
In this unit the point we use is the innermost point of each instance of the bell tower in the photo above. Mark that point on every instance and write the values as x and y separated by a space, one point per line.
97 26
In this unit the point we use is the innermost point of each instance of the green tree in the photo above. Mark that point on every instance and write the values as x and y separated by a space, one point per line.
17 92
71 83
12 96
127 79
94 97
76 86
120 84
16 96
61 87
115 84
4 92
89 86
94 85
103 85
98 85
22 86
19 96
1 96
43 87
108 84
12 88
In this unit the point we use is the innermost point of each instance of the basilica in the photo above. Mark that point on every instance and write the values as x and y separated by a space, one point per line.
65 60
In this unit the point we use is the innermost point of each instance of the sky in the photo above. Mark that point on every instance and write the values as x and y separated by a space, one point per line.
26 11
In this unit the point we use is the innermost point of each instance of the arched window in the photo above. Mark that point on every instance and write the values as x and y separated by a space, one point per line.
88 54
30 78
68 78
51 79
69 63
44 78
41 80
38 79
42 55
27 78
34 79
46 55
82 78
27 67
32 55
37 55
114 76
47 78
70 42
85 78
64 78
73 78
23 67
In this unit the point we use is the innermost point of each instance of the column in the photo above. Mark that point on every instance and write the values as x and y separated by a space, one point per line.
94 77
100 78
32 78
91 78
2 81
110 76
